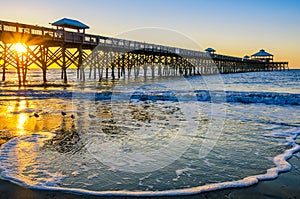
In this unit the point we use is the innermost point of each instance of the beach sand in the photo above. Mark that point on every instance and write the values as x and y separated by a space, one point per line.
287 186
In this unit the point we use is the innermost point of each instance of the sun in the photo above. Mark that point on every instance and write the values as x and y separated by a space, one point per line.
20 48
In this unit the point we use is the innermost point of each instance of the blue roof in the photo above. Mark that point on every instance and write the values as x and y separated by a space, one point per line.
262 53
70 23
210 50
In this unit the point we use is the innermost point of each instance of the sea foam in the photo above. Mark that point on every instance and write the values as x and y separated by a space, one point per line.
51 181
272 98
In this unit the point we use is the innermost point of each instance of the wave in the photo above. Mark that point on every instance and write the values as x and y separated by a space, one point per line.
270 98
52 184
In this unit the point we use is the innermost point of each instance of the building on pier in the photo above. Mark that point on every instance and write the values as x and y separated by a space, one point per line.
246 57
71 24
263 56
210 51
104 56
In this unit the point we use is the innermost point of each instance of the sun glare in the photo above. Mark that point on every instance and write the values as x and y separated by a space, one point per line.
20 48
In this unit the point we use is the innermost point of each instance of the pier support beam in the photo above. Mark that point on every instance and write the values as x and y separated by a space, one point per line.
4 57
64 64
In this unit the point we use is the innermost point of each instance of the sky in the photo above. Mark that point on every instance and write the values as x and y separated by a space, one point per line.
232 27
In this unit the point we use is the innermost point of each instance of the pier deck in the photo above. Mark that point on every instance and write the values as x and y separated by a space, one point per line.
53 46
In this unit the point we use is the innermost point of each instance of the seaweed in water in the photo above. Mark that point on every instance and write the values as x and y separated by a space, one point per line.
65 140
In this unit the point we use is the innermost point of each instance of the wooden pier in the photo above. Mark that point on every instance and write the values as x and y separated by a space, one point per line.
107 57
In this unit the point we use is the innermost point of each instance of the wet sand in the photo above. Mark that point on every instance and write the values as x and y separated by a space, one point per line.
287 186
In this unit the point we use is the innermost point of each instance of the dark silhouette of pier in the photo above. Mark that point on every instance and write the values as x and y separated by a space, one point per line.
68 44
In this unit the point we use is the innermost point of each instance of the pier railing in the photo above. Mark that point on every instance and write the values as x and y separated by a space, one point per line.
88 39
65 48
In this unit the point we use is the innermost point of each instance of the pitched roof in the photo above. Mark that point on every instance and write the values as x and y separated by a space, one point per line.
210 50
70 23
261 53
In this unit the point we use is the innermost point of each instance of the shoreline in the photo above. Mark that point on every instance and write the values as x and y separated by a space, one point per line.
285 186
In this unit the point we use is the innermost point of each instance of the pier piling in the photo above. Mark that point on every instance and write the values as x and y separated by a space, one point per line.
66 48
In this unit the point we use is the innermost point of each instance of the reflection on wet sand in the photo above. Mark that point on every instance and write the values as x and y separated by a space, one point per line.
18 117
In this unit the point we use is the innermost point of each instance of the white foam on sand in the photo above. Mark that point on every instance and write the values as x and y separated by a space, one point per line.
19 156
51 181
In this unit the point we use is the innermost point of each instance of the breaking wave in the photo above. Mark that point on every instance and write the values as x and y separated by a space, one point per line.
272 98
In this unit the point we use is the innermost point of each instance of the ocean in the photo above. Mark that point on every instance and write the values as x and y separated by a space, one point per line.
153 137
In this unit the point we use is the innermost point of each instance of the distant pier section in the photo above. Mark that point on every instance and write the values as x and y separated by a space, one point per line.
68 44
